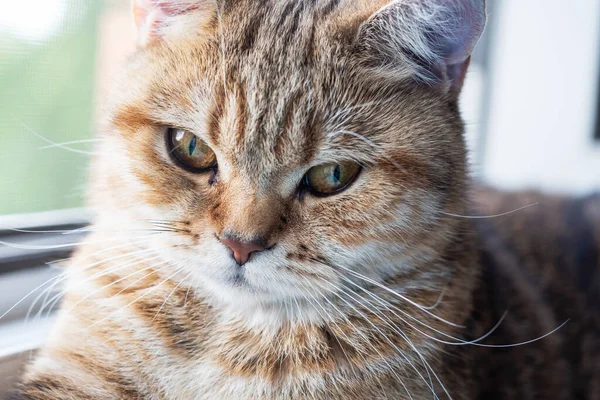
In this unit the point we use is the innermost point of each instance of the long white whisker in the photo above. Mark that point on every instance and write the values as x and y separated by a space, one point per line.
333 321
149 291
89 295
384 359
439 300
369 280
462 342
51 305
46 292
133 255
392 307
67 245
72 150
426 364
83 141
51 280
47 303
27 296
171 294
490 216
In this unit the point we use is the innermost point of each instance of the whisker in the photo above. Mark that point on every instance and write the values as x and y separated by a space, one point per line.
48 302
391 324
86 229
439 300
104 273
187 293
369 280
51 304
149 291
54 144
67 245
366 319
340 331
393 307
83 141
27 296
462 342
171 294
46 292
112 270
490 216
17 230
504 346
53 279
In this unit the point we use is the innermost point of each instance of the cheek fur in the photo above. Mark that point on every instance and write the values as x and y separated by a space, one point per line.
384 197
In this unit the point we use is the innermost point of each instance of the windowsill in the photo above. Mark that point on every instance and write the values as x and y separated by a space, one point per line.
19 342
20 337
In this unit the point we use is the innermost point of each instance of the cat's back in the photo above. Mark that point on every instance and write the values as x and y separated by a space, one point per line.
541 278
551 238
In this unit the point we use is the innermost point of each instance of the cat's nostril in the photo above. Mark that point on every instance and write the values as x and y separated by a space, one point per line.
242 250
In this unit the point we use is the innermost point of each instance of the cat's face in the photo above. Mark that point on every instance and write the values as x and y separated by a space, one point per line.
282 152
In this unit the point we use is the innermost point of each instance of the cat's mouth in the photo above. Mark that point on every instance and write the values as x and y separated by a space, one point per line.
240 282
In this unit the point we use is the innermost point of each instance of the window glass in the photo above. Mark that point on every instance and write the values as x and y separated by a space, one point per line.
47 90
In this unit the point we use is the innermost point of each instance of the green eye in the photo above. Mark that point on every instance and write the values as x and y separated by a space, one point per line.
328 179
191 151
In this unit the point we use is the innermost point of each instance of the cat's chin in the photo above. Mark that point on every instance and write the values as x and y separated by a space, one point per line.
239 290
256 308
258 305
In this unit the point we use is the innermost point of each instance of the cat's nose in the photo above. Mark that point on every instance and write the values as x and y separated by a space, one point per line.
242 250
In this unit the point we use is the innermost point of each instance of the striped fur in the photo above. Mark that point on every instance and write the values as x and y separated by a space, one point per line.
360 295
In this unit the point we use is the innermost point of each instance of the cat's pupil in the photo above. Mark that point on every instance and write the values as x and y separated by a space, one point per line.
192 146
337 173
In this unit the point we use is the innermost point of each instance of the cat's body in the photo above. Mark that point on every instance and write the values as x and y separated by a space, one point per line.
541 267
282 206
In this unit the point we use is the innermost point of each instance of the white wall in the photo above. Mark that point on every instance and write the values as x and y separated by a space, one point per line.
543 94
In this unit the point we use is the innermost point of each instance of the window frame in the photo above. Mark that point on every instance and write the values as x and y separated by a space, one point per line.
35 241
29 244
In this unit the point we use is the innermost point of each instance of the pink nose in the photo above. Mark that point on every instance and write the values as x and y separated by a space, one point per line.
243 250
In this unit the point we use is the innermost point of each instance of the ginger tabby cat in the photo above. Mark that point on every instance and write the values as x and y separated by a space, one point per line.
282 212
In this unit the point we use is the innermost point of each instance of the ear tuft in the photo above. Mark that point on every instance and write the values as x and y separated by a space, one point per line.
434 38
159 19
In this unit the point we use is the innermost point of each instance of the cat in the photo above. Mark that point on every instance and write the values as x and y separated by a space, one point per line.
283 211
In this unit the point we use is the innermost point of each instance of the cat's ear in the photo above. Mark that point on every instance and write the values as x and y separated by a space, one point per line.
161 19
434 39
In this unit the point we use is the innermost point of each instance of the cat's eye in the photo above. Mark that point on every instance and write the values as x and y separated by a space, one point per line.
328 179
191 151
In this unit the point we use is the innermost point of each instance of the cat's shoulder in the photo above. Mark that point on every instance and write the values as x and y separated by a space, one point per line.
545 234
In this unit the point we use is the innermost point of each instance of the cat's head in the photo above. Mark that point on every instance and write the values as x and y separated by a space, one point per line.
287 144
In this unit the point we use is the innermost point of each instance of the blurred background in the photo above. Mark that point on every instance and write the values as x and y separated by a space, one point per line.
531 103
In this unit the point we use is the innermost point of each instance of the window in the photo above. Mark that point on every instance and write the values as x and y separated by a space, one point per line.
541 112
47 80
597 130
